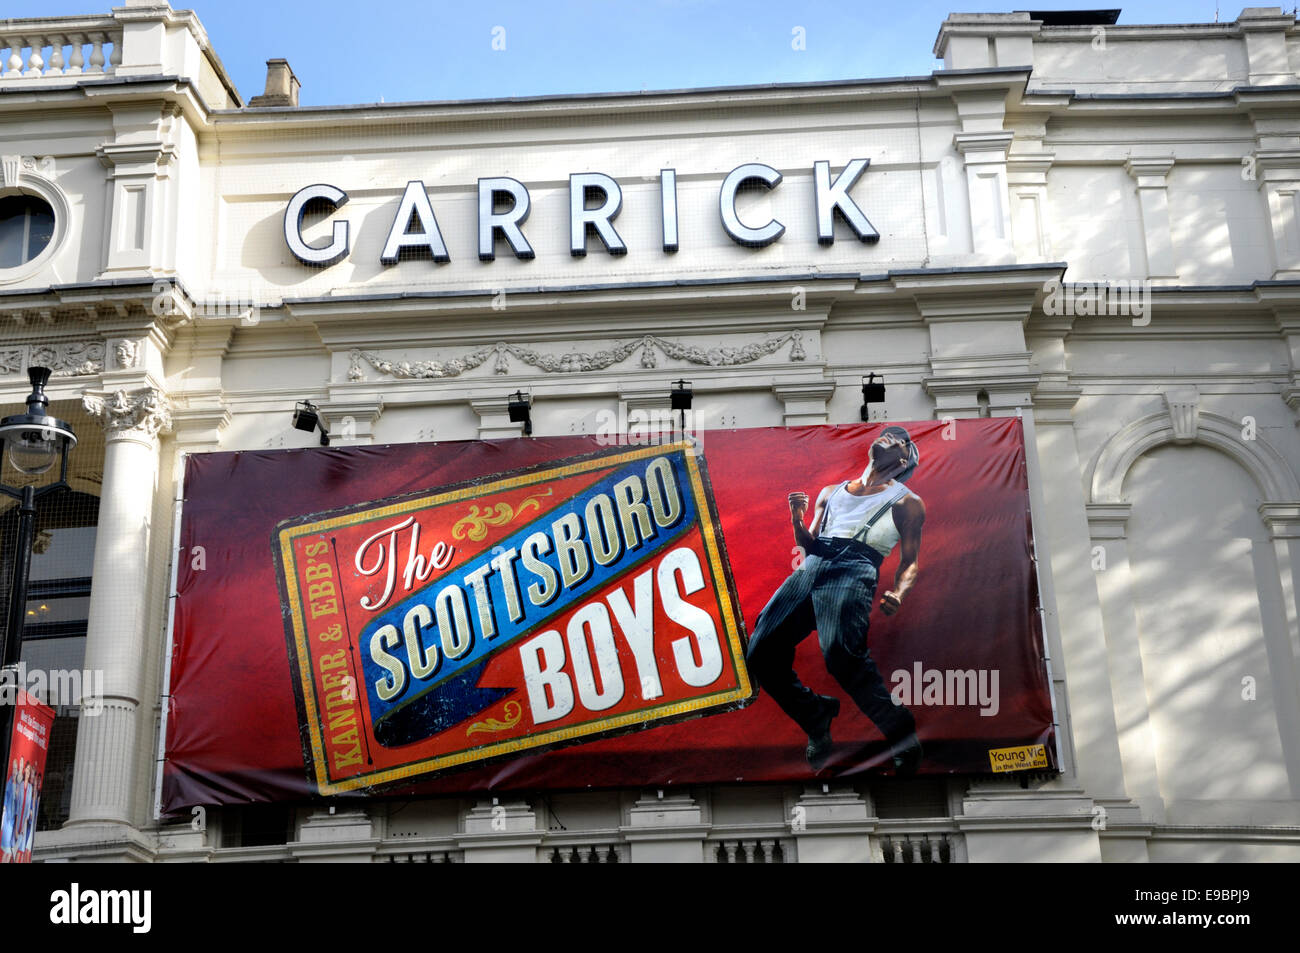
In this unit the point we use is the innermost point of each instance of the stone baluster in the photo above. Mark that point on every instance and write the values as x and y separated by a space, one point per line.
97 54
56 55
78 61
15 57
115 58
35 62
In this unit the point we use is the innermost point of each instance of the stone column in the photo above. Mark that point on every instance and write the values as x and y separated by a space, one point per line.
106 773
1153 196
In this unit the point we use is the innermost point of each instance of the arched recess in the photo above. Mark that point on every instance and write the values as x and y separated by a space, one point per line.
1277 482
1276 574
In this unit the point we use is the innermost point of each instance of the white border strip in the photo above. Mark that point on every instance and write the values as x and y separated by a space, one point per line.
164 694
1029 432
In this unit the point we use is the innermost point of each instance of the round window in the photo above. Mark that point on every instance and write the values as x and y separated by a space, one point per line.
26 229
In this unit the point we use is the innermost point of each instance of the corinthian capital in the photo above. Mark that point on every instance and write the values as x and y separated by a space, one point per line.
141 413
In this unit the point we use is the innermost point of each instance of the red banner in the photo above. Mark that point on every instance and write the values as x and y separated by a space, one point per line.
756 605
23 779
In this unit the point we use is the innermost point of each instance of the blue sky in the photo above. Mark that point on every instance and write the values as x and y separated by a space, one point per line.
394 50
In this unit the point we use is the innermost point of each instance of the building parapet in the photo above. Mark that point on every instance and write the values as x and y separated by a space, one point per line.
141 38
1092 54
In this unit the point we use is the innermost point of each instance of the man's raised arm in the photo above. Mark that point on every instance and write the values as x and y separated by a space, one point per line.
798 507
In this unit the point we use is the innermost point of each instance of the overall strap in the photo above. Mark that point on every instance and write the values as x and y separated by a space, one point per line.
888 504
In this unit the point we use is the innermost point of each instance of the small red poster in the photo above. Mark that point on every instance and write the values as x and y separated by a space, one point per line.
22 797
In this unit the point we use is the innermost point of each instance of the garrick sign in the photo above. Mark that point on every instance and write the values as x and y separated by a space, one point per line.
595 200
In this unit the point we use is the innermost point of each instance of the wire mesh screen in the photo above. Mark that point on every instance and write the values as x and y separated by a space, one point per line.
56 606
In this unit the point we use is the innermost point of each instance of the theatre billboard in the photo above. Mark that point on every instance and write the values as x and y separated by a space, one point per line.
576 612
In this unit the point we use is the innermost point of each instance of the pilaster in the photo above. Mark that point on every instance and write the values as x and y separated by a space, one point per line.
805 401
1003 823
501 831
352 419
1265 32
1109 559
1072 605
1278 173
984 152
833 825
494 418
336 835
1153 198
140 162
1283 522
979 360
1027 182
666 827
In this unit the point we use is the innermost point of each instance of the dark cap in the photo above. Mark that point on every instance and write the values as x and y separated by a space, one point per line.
913 454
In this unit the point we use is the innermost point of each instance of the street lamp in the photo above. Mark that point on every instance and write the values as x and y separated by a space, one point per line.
31 442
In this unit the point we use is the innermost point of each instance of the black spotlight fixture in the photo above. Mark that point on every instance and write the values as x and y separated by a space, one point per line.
32 441
520 410
681 396
307 417
873 392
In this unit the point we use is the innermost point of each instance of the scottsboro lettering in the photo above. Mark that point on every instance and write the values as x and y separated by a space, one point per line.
504 204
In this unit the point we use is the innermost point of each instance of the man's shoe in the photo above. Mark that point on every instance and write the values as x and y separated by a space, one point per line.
819 739
907 755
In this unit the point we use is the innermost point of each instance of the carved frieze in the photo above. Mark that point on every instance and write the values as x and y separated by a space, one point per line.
575 362
65 359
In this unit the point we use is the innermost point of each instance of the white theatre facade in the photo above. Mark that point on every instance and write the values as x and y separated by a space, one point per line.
1094 226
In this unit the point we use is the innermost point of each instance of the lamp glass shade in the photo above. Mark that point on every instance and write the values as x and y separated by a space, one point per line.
34 442
34 451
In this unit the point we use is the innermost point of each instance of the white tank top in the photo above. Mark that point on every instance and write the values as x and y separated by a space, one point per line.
846 517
